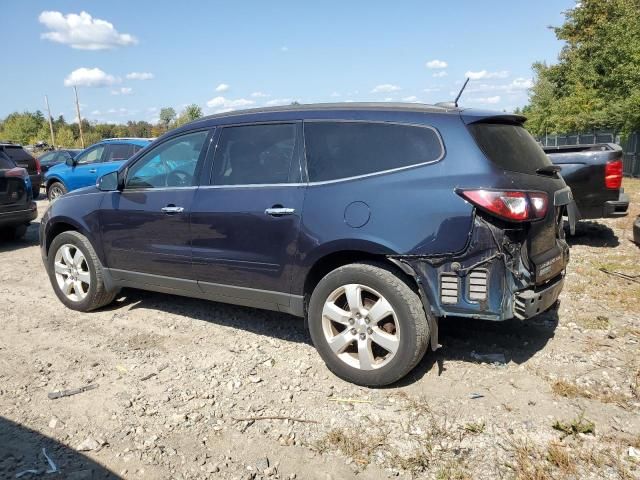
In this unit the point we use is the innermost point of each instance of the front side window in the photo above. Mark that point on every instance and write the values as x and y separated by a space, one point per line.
170 164
336 150
118 151
255 155
93 155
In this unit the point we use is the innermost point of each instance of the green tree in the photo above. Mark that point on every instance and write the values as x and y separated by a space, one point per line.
167 116
596 82
64 137
22 127
189 114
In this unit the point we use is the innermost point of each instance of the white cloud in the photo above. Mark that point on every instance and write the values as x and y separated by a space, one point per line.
223 87
388 99
429 90
334 94
411 98
90 77
522 83
96 112
140 76
222 104
82 31
436 64
483 74
514 87
284 48
385 88
486 100
279 101
122 91
440 74
260 95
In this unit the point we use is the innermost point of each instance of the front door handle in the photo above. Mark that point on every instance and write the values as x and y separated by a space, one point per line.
277 211
93 170
172 209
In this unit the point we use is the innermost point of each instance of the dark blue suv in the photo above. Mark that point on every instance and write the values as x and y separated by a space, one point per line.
371 221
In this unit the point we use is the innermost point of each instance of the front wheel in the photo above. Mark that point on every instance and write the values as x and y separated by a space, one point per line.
76 273
368 324
55 190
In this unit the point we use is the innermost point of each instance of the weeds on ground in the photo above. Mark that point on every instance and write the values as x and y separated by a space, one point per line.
558 455
351 443
576 426
475 427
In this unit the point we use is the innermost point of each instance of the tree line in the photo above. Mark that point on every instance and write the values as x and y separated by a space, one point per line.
596 81
32 127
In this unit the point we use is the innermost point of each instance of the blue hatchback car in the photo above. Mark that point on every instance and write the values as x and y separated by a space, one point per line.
84 169
373 222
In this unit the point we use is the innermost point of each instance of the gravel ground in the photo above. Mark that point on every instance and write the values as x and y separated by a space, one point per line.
193 389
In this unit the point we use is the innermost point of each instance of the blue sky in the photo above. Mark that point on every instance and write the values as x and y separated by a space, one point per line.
130 58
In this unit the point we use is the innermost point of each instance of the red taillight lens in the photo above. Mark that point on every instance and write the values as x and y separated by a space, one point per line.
509 205
613 174
16 172
38 168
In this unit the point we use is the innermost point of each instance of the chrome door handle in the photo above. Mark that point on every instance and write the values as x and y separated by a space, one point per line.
93 170
279 211
172 209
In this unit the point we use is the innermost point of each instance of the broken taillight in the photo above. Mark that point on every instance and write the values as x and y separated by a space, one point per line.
613 174
515 206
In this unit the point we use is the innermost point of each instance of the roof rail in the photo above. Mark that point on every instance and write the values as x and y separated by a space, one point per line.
128 138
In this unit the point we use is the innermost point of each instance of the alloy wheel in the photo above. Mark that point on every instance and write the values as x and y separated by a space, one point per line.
360 326
72 272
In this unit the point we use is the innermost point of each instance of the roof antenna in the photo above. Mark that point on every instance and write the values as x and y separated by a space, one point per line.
455 102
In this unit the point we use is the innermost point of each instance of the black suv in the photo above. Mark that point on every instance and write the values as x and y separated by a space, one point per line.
25 160
371 221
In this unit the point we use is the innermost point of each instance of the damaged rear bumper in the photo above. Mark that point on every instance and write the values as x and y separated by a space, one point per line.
492 279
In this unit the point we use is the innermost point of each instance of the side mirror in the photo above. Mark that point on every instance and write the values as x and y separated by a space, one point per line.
70 161
110 182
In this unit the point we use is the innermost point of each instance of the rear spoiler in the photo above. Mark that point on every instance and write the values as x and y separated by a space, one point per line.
470 116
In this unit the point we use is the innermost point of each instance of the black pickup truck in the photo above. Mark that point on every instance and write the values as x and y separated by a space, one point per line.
594 173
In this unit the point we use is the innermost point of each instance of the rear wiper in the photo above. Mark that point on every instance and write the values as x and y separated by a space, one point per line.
549 169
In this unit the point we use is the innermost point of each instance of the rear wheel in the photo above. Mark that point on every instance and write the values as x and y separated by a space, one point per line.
55 190
76 273
367 324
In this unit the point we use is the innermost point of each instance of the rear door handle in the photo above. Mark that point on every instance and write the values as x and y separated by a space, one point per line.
172 209
93 170
279 211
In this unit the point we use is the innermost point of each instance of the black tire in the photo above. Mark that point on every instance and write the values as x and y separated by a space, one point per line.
97 293
410 315
55 190
15 232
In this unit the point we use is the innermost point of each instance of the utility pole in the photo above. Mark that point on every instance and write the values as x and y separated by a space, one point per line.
75 89
53 139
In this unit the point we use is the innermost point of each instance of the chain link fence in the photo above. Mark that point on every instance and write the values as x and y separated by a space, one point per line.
630 145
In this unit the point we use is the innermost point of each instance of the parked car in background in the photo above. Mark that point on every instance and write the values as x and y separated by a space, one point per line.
17 207
56 157
594 173
85 168
369 220
25 160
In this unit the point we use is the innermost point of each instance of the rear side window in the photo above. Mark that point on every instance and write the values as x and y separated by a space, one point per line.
118 151
509 147
337 150
255 155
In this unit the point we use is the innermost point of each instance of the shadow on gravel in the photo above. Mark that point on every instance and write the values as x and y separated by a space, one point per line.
21 450
470 340
592 234
30 239
261 322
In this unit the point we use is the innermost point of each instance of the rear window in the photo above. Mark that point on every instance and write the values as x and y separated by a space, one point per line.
509 146
337 150
5 162
17 154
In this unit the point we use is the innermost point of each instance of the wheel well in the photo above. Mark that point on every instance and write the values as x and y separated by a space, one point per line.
56 230
51 181
338 259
